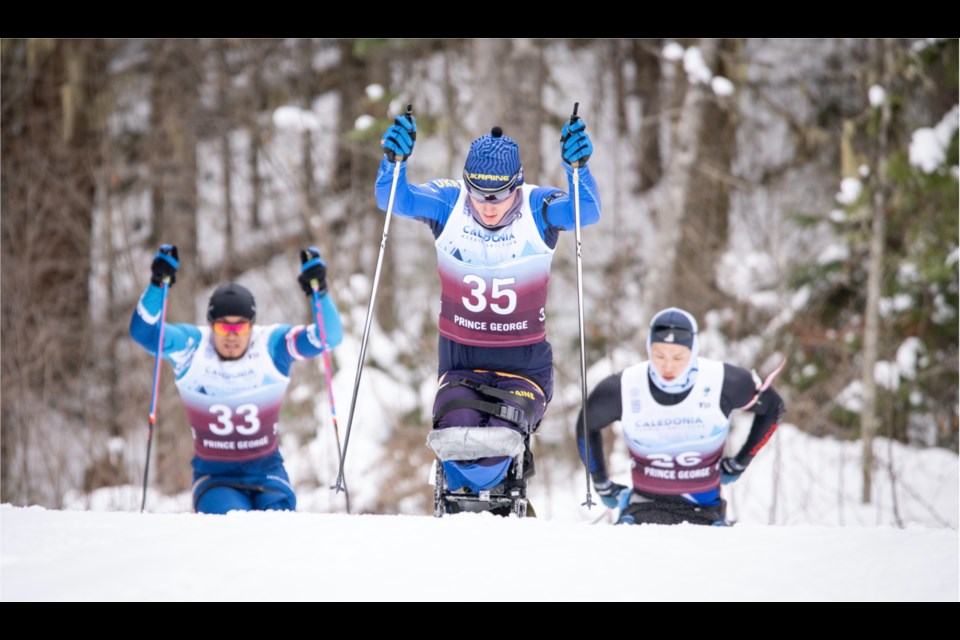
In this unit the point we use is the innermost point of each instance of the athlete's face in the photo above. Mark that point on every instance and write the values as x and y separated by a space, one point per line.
491 213
669 359
231 336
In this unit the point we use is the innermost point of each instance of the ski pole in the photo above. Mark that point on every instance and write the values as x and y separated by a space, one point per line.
156 389
583 356
764 385
327 373
339 486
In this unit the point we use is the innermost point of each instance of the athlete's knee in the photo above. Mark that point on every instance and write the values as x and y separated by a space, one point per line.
446 413
276 503
220 500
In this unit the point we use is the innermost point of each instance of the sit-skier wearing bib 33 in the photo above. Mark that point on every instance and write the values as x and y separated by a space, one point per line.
674 411
232 375
495 236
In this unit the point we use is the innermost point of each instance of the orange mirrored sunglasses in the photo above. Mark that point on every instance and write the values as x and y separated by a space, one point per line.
226 328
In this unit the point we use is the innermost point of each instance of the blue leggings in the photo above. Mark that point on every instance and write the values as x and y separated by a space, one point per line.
223 499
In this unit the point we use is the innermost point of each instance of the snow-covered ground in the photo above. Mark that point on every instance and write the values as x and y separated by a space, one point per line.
63 555
786 545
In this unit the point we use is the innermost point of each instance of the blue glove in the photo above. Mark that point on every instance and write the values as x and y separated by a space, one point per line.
398 140
730 470
609 492
165 265
575 145
312 268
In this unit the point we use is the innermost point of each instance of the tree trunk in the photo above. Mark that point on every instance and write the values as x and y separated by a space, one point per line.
871 330
509 77
176 75
157 142
53 111
306 93
648 83
489 56
452 115
683 162
524 119
225 123
706 236
357 164
256 104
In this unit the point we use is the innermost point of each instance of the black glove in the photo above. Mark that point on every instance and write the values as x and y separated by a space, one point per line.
730 470
312 268
609 492
399 139
165 265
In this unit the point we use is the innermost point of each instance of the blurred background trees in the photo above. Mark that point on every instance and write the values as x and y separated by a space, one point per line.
766 185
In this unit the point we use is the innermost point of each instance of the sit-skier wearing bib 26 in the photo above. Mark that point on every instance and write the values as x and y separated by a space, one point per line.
232 375
674 412
495 237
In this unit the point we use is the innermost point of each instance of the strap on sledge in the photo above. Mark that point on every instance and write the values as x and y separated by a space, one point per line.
509 413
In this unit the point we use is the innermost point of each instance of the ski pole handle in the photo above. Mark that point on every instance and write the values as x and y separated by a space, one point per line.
573 118
413 135
391 155
409 114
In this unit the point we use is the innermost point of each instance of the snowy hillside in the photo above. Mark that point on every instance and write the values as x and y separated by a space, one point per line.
797 479
51 555
805 484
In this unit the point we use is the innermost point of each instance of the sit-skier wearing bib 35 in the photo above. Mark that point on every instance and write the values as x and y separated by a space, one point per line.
495 237
674 411
232 375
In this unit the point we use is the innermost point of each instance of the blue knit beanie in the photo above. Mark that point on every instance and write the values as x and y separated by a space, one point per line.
493 163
